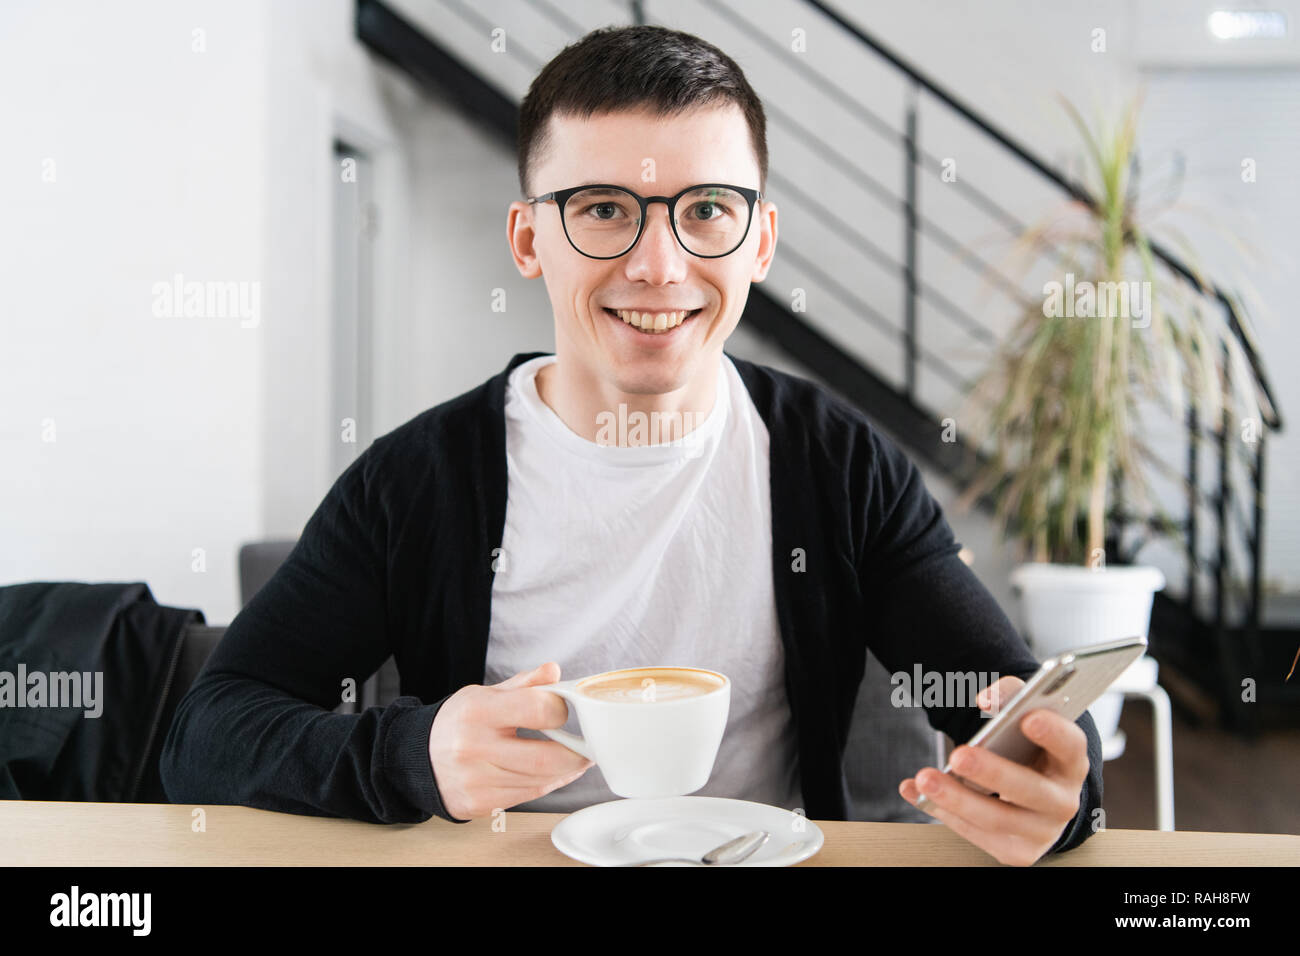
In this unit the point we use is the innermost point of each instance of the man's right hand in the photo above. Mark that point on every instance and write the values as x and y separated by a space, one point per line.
480 764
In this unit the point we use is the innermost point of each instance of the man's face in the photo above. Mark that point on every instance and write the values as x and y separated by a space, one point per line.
652 156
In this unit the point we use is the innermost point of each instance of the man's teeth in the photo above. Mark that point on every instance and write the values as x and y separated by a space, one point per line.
652 321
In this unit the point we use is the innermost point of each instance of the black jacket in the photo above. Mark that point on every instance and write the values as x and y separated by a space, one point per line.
60 753
398 559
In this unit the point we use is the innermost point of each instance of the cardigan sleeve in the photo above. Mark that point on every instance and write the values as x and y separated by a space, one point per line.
257 727
928 608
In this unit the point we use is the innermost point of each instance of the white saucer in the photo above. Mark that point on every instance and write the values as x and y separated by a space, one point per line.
624 831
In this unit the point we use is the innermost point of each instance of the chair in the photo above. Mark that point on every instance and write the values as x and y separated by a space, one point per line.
258 562
886 745
197 643
1139 680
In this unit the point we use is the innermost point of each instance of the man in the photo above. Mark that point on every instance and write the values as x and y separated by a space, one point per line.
769 533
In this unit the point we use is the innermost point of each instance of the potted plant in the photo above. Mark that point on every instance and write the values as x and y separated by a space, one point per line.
1059 411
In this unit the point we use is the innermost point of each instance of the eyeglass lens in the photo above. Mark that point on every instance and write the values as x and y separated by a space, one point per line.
711 221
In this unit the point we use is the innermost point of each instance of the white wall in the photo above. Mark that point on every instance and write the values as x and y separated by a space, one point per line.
320 84
171 435
128 441
462 183
438 180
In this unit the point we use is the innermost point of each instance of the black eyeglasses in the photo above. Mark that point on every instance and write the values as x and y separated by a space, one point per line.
604 221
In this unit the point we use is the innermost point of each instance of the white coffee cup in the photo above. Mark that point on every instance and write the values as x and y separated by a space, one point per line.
653 731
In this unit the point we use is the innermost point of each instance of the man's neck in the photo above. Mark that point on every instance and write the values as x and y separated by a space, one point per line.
603 414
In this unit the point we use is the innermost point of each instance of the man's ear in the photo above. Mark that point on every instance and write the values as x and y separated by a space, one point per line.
521 236
765 212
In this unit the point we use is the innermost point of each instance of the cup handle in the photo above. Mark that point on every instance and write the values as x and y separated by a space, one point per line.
564 690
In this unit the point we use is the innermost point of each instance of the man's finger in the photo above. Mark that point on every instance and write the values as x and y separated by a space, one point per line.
1065 743
993 816
993 697
964 828
521 758
518 705
528 707
1013 782
1006 849
503 798
492 777
548 673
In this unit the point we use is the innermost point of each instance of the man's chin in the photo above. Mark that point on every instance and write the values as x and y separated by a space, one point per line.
642 373
649 381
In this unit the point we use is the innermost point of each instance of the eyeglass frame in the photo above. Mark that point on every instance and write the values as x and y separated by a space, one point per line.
562 196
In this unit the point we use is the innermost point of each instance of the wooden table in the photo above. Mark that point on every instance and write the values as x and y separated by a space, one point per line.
39 833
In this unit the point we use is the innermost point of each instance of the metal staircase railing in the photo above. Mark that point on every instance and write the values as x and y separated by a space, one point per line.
902 411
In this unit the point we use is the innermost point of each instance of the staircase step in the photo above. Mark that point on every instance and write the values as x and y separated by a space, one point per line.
1281 611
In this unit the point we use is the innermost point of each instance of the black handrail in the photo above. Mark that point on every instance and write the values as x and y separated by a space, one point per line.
1076 191
829 154
1224 502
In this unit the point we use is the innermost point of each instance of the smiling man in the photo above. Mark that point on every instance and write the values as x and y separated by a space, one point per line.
501 539
644 324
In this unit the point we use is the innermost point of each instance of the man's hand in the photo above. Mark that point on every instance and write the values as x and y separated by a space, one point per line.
480 764
1032 804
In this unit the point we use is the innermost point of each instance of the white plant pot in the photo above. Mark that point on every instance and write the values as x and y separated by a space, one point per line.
1067 606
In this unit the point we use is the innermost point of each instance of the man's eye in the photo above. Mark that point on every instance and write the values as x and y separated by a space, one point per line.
708 211
604 210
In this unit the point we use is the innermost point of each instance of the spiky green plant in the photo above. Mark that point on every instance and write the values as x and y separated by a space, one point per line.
1060 403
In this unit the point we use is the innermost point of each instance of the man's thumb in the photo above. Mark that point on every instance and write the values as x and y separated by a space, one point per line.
547 673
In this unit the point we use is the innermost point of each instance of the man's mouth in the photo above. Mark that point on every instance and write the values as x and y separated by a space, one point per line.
653 323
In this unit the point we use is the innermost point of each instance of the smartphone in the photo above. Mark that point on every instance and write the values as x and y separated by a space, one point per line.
1066 684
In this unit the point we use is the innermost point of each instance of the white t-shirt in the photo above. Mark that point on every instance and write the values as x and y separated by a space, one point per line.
652 555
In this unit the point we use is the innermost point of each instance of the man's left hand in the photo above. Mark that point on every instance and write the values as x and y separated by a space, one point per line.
1032 804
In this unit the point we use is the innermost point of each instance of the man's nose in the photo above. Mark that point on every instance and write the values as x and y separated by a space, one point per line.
658 257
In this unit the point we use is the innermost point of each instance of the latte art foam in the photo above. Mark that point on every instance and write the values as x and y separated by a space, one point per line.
650 686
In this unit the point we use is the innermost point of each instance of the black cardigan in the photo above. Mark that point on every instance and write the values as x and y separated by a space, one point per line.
398 557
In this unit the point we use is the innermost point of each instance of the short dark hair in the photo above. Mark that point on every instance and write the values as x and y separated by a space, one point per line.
635 67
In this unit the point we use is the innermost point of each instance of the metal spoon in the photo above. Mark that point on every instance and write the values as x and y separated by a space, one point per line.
728 854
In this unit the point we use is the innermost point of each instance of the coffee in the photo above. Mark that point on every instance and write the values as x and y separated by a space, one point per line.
650 685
